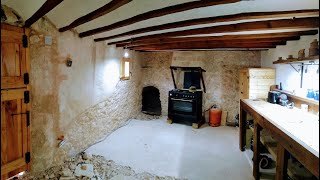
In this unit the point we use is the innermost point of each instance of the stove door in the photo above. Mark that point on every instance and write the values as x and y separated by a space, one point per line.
182 106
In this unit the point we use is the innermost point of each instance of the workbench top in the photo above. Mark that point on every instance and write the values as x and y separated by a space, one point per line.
301 126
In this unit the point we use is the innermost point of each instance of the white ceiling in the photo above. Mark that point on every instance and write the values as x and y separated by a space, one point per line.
69 10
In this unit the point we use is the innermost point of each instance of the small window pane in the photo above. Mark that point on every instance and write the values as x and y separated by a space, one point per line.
126 69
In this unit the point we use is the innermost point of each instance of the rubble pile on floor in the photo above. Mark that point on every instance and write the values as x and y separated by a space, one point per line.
147 117
92 167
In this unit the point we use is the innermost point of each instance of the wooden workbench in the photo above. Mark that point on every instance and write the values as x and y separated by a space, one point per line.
296 132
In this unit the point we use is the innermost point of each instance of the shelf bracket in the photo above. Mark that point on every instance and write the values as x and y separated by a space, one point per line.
294 68
301 75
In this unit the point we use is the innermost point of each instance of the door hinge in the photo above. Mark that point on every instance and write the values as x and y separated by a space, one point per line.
26 78
27 157
25 41
26 97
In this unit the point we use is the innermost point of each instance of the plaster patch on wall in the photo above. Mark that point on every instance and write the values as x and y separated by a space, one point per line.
188 59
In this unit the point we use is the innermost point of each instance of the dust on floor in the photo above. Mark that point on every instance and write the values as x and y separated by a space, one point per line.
103 169
177 150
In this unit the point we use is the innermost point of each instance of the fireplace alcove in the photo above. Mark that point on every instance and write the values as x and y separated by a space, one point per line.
151 103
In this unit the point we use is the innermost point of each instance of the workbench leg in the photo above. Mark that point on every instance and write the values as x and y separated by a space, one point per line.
242 128
282 162
256 150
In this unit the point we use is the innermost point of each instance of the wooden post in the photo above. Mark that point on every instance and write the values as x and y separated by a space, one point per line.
242 128
256 150
282 162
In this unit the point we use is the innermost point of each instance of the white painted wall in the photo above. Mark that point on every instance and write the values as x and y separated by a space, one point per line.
107 70
285 74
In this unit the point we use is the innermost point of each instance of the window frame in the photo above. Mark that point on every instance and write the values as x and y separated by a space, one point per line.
122 68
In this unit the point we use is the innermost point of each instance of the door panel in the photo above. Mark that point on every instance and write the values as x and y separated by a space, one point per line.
13 130
13 60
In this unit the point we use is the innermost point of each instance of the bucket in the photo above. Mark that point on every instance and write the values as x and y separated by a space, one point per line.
215 117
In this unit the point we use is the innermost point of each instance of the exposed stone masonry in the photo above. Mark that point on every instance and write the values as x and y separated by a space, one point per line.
221 77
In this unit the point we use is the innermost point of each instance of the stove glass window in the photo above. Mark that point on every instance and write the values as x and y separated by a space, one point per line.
182 106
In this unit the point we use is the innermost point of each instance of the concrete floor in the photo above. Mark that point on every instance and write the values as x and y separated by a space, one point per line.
177 150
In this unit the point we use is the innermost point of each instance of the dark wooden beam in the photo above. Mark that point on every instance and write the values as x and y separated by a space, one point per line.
296 23
207 45
224 37
157 13
211 49
250 38
204 48
44 9
114 4
208 20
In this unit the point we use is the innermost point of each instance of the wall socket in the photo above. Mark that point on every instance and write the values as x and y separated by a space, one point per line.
48 40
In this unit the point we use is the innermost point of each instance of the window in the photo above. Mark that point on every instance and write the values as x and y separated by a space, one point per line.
125 69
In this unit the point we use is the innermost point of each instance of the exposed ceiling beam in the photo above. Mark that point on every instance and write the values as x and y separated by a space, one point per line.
296 23
253 40
224 37
114 4
157 13
208 20
207 45
202 47
213 49
213 38
44 9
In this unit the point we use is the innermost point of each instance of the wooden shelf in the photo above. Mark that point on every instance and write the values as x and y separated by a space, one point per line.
269 143
297 60
294 171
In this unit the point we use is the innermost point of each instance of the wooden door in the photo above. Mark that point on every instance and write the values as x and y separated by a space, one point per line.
244 84
15 101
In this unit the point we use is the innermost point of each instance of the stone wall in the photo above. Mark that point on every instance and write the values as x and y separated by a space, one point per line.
221 76
155 68
84 102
